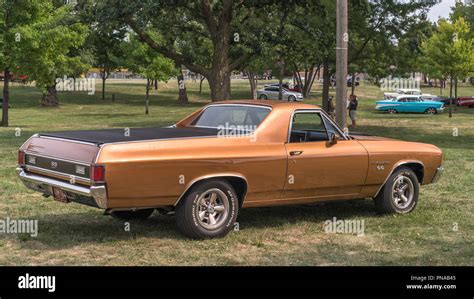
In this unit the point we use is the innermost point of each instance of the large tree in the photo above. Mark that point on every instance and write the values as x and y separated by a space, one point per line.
168 26
14 14
450 51
51 39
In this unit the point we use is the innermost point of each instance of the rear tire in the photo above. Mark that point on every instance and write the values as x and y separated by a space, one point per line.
209 210
400 193
392 111
132 215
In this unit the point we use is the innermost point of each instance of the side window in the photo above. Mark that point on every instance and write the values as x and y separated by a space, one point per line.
331 128
308 127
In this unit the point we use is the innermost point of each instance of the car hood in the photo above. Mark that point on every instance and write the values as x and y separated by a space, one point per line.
362 136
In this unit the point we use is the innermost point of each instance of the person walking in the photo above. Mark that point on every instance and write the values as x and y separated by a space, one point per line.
353 103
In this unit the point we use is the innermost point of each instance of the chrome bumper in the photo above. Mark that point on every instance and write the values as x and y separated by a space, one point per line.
440 110
44 185
438 174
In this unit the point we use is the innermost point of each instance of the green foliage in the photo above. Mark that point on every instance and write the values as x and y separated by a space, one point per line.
141 59
449 52
13 15
465 11
44 50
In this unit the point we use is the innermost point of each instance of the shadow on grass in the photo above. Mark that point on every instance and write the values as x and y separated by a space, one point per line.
67 230
436 137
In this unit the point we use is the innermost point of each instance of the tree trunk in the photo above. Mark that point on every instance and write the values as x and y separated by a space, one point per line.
326 84
280 81
183 95
219 78
309 81
6 97
103 86
156 84
147 102
200 83
219 82
353 84
455 93
253 85
451 97
50 98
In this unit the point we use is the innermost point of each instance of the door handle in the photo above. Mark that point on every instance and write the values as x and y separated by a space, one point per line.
296 153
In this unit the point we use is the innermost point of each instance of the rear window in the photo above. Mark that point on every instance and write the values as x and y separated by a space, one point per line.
231 115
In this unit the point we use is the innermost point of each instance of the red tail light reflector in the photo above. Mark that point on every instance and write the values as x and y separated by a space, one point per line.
98 173
21 158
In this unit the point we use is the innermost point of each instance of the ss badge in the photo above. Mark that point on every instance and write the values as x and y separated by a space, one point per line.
54 164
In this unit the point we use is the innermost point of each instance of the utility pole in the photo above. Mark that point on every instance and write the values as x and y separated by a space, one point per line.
342 37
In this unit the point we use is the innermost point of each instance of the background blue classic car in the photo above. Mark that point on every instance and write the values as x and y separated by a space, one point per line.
413 104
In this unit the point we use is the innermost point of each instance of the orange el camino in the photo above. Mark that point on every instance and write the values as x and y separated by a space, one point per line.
225 157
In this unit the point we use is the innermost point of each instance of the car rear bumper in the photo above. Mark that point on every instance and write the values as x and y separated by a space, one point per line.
93 195
439 172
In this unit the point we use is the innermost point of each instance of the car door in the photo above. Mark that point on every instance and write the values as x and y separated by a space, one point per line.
317 169
411 105
402 105
272 93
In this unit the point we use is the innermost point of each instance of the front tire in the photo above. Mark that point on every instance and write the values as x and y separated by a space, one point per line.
132 215
431 111
400 193
291 99
263 97
392 111
209 210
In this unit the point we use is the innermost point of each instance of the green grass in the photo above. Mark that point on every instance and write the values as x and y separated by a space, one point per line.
72 234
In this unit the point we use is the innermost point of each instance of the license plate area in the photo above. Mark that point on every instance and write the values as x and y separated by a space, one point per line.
60 195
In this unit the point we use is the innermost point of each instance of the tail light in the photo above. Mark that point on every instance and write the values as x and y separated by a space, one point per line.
21 158
98 173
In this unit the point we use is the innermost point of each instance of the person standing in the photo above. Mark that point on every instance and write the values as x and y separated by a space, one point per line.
353 103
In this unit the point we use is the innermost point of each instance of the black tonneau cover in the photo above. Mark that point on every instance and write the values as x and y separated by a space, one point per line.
138 134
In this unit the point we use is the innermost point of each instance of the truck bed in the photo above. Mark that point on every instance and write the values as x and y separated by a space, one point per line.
135 134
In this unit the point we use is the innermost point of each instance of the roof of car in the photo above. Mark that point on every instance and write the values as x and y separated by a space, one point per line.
408 89
269 103
407 96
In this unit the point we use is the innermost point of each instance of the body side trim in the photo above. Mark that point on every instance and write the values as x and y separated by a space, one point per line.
400 163
217 175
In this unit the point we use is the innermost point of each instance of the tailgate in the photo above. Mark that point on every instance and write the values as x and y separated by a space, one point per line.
60 158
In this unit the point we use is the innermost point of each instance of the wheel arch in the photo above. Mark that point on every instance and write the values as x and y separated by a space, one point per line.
417 166
237 181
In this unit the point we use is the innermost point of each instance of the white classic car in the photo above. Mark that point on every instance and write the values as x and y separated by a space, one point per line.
402 91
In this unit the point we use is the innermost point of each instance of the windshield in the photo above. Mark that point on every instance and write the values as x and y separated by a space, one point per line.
224 116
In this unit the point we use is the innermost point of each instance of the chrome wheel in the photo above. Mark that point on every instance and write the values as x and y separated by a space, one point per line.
263 97
431 111
212 209
392 111
403 191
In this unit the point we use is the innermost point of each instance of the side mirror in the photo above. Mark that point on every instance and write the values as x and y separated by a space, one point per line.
332 139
